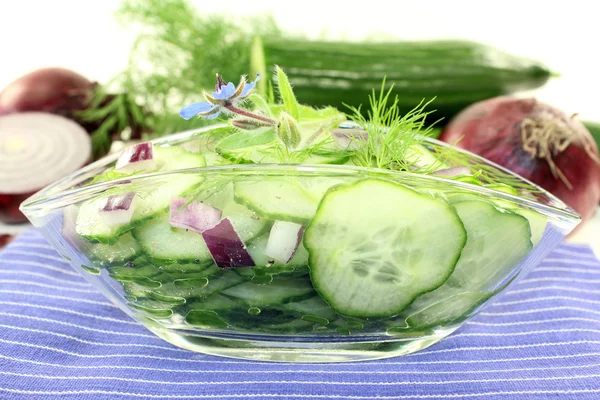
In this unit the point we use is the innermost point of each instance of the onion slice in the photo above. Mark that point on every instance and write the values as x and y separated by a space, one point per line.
36 149
226 247
195 216
139 157
284 239
456 171
118 209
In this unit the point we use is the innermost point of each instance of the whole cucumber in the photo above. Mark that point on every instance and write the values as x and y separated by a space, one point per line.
456 73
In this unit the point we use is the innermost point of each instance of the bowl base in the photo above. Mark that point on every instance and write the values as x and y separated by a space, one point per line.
300 352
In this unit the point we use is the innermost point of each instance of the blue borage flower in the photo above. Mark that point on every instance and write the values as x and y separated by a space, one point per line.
225 97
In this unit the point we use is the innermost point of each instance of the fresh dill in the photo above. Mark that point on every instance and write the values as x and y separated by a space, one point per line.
390 136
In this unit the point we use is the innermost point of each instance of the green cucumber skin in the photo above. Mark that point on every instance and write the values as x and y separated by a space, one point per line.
455 73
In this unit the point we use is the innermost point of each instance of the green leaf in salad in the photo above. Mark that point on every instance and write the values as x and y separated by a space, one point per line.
287 94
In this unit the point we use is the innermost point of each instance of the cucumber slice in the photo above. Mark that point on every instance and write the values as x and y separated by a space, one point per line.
372 251
421 157
444 312
215 302
537 223
154 308
314 309
207 287
293 199
161 241
132 273
178 269
496 242
277 292
91 226
124 249
257 247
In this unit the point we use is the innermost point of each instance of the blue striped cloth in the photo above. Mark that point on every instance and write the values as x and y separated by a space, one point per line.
61 339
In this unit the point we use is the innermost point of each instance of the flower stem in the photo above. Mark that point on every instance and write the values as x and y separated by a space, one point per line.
248 114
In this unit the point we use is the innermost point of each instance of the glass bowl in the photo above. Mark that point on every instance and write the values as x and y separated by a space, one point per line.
381 263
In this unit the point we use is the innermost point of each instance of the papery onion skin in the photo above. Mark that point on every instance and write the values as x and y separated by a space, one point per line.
55 90
494 129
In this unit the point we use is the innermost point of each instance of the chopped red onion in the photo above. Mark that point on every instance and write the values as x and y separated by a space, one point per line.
137 158
118 209
226 247
195 216
456 171
347 138
284 239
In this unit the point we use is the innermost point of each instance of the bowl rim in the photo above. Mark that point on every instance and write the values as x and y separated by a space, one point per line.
63 193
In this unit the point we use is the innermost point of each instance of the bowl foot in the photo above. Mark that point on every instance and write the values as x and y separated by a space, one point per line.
305 351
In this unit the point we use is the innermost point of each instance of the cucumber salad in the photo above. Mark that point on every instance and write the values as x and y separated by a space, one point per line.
281 251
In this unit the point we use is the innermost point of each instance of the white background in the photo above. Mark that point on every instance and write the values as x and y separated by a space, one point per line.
83 35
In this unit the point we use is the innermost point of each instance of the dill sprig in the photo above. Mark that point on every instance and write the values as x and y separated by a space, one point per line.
178 51
390 134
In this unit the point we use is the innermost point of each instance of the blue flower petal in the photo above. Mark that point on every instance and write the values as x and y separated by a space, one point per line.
190 111
250 86
226 92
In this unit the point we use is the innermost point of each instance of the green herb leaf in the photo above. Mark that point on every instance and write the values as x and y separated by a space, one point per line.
247 139
287 94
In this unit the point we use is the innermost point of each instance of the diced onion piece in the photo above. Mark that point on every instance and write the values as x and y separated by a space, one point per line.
195 216
139 157
118 209
226 247
456 171
283 241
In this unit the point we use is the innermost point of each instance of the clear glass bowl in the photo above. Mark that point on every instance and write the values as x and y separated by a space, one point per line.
272 311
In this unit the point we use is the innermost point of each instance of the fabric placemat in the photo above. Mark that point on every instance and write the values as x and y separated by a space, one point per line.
61 339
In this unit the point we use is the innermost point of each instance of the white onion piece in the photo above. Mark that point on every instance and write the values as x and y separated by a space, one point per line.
283 241
195 216
456 171
118 209
138 157
37 149
347 138
226 247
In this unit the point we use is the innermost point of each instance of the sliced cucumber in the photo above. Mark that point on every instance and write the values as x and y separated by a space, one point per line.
155 308
421 157
132 273
124 249
293 199
537 223
313 309
372 251
91 226
179 269
277 292
247 223
215 302
496 243
205 288
161 241
257 247
444 312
